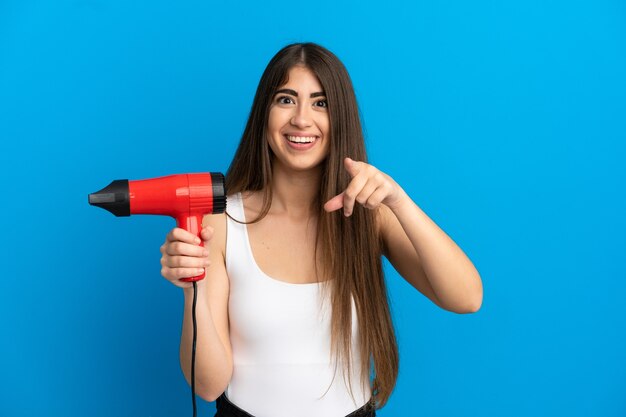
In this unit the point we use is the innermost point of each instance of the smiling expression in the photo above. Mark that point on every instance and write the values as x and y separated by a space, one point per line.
298 124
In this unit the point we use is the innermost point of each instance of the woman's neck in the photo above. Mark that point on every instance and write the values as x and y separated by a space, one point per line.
294 193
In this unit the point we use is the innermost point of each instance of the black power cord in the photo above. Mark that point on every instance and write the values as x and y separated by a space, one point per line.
193 348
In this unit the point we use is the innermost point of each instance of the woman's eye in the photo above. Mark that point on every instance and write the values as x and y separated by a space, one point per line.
284 100
322 103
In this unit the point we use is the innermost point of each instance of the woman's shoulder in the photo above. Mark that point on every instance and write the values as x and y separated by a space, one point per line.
236 203
218 223
252 203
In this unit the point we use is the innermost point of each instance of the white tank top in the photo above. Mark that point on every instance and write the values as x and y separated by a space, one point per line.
280 337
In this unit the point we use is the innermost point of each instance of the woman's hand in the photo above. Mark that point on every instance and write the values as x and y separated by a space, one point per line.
369 187
183 257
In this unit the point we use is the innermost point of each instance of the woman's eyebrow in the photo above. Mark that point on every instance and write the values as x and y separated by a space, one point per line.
295 93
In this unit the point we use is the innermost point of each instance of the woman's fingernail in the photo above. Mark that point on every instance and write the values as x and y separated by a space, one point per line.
198 240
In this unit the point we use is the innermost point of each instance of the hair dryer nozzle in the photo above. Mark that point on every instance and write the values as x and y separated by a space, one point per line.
114 198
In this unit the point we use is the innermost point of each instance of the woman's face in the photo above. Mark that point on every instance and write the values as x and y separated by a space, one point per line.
298 125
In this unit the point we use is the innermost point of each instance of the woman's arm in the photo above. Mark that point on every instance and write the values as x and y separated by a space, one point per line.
417 248
213 351
429 259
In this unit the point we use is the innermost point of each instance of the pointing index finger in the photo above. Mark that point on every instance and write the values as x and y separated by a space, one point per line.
334 203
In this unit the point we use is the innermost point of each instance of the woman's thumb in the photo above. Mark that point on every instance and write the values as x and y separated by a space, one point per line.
206 234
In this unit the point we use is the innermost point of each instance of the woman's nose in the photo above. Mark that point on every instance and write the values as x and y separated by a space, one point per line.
301 117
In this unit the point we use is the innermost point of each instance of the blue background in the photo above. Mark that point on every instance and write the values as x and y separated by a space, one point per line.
505 121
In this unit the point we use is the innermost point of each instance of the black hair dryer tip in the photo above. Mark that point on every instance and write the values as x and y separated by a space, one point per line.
114 198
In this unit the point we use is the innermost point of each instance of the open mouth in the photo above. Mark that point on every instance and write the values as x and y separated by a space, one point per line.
301 139
301 143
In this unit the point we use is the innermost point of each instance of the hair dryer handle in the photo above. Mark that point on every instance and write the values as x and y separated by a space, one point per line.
192 223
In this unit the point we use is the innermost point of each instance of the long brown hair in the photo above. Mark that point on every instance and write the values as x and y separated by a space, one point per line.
350 248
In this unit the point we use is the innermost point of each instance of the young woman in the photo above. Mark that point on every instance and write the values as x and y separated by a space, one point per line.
293 313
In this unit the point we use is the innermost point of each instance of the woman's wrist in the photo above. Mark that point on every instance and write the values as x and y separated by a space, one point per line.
188 291
402 201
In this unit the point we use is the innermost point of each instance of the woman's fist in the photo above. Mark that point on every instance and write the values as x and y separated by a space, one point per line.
183 256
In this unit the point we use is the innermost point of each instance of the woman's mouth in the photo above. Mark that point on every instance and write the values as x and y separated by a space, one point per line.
300 139
301 142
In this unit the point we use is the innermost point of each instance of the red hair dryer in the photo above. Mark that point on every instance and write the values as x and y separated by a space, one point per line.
185 197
